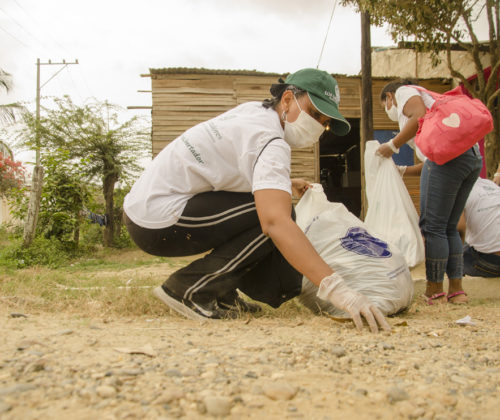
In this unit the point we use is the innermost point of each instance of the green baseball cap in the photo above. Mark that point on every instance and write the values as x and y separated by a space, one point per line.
323 91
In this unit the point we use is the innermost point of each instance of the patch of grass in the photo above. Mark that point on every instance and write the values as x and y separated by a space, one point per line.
119 283
108 282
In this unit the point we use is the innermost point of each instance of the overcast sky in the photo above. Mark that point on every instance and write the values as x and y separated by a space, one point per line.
115 41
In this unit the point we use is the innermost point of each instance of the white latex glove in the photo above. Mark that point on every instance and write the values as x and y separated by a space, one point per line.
333 288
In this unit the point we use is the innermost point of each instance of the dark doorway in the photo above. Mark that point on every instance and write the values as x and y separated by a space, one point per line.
340 167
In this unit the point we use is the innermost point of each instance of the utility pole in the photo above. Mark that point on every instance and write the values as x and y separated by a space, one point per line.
37 177
366 97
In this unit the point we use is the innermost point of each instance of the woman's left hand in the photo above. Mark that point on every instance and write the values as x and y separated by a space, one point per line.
385 151
299 187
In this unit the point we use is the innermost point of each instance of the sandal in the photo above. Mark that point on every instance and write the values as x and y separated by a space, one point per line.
455 294
430 299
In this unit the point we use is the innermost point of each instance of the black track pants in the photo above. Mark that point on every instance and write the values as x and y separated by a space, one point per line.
242 257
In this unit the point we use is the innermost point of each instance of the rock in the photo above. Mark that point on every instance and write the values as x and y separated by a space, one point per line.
130 372
218 406
251 374
339 351
417 413
169 396
65 332
406 409
200 406
25 344
396 394
35 366
279 391
257 390
4 407
17 388
458 379
173 373
449 400
18 315
386 346
86 393
106 391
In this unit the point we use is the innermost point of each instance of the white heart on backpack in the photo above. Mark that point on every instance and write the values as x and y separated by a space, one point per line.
453 120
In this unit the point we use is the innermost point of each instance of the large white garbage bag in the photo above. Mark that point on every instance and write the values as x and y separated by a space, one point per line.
391 213
367 264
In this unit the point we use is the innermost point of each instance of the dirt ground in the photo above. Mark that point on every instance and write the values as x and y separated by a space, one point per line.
83 365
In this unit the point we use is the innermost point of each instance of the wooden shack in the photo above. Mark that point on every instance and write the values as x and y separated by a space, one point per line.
183 97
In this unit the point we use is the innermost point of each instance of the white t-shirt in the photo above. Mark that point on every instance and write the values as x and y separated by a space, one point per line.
216 155
402 94
482 217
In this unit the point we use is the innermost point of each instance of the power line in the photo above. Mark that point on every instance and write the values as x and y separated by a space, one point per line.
42 27
74 85
85 81
17 39
327 31
22 27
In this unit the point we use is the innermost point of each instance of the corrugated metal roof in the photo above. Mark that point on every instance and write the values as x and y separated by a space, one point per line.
201 70
192 70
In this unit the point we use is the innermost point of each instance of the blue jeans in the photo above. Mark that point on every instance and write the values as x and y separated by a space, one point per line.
444 189
480 264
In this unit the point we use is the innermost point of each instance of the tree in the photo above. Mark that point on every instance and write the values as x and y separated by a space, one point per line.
436 26
63 197
106 150
8 111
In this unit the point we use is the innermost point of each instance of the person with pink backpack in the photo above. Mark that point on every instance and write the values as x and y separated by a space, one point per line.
441 124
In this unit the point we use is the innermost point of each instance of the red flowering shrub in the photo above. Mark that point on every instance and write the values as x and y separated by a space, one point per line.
11 175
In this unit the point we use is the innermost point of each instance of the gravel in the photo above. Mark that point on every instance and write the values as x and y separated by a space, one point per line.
428 367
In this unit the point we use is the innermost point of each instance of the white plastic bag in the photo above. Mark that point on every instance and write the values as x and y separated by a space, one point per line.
391 213
367 264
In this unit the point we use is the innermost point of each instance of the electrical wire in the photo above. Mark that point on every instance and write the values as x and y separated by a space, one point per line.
62 48
58 45
17 39
13 19
327 31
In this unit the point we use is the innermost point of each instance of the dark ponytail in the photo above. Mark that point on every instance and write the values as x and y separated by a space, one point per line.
277 90
394 85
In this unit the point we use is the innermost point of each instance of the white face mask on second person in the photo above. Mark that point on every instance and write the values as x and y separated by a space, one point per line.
304 131
392 112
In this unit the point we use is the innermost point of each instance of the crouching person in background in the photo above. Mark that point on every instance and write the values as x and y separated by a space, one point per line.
480 227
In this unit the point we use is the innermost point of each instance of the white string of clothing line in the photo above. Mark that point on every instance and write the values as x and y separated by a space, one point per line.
327 32
63 287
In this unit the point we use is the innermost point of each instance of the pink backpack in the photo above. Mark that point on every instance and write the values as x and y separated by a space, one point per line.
452 125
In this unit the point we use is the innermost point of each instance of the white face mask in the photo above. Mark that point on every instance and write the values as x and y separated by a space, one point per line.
304 131
392 112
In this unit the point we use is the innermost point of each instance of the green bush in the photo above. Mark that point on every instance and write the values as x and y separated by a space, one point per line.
91 235
43 251
123 239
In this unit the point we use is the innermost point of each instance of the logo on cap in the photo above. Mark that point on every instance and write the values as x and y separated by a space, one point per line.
334 97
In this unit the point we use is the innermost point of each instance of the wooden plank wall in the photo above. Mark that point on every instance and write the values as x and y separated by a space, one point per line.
349 96
181 101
